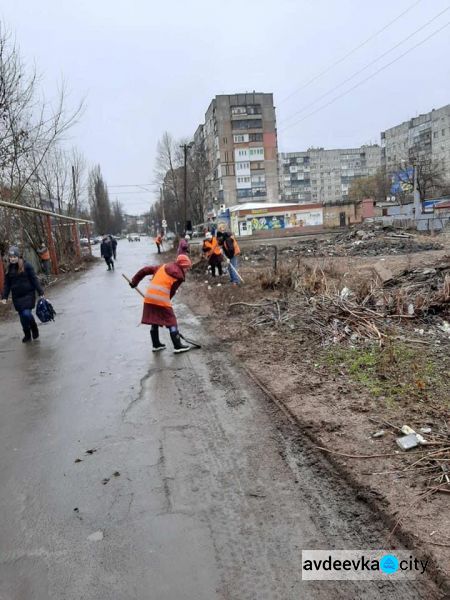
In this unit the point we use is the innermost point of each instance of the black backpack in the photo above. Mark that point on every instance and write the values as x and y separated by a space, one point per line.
45 311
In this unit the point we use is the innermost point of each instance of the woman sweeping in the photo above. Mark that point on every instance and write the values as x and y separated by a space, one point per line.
158 310
21 281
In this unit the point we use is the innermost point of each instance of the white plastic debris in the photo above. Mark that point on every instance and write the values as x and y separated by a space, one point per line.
425 430
445 327
345 293
406 430
410 309
379 434
97 536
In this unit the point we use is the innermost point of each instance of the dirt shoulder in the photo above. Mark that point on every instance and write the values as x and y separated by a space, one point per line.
354 344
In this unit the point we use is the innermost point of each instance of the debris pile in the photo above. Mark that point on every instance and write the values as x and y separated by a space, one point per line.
322 308
361 243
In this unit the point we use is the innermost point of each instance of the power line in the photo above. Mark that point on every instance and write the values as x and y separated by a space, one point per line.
366 66
340 60
367 78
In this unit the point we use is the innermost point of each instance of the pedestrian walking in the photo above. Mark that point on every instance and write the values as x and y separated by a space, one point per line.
114 246
44 257
106 251
158 242
21 281
231 250
158 310
183 246
213 253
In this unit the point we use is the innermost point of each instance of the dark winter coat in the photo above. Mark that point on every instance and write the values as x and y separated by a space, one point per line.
106 249
23 286
226 242
160 315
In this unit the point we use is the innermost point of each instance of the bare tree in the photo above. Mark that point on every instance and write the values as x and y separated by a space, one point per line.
169 161
29 126
428 173
99 201
198 171
375 186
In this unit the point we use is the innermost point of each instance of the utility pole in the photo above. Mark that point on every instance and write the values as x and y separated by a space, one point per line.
185 147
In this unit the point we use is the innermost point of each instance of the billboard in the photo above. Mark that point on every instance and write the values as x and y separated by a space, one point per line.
402 181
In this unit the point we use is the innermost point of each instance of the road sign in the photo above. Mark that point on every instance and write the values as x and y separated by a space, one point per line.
164 223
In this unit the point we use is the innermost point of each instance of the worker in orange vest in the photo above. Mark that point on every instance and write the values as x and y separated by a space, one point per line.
158 311
44 257
158 242
212 252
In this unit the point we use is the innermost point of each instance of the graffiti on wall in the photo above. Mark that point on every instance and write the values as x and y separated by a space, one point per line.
263 223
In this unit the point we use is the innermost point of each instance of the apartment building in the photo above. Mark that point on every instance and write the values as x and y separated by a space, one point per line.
241 146
324 176
426 135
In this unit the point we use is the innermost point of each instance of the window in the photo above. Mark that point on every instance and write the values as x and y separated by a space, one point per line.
256 137
238 139
238 110
443 132
225 140
250 124
254 109
435 134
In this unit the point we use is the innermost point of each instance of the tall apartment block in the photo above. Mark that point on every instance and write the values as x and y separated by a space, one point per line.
241 144
427 135
324 176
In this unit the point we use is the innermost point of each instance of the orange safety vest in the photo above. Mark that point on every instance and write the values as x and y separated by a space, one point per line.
212 247
237 250
158 291
158 239
45 255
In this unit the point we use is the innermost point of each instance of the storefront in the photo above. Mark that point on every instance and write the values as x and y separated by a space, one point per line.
250 218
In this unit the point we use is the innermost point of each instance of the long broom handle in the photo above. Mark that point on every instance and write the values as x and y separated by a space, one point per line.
234 268
136 288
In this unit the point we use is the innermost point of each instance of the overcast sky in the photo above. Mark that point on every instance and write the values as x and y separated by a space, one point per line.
145 67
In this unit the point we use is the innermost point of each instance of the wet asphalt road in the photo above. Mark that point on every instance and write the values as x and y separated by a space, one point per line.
214 494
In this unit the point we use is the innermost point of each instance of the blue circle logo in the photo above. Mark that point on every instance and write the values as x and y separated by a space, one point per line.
389 564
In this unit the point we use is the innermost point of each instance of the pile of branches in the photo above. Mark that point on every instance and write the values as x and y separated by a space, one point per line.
316 303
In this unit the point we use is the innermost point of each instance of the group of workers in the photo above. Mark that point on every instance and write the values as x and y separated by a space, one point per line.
220 246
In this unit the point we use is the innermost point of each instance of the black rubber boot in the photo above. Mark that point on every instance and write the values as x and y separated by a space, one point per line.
27 337
157 346
34 329
178 345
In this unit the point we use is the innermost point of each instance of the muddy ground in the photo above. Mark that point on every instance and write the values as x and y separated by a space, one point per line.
342 383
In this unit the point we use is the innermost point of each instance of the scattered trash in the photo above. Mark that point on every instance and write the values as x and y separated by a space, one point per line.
425 430
116 474
406 430
105 481
92 451
77 510
97 536
379 434
445 327
78 460
345 293
407 442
